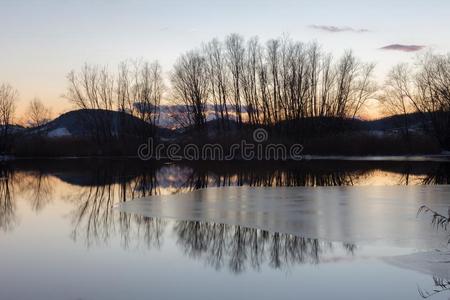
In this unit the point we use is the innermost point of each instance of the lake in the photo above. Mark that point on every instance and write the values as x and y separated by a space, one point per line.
125 229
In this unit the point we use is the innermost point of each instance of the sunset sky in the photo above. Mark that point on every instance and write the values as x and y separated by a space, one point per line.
41 41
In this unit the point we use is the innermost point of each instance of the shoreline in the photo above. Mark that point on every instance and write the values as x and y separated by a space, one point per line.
399 158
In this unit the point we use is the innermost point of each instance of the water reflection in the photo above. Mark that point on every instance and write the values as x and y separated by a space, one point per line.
7 204
440 285
235 247
92 190
152 179
239 248
95 220
85 192
96 185
438 221
440 175
38 185
202 177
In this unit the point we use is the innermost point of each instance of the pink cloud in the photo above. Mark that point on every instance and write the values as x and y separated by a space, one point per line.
335 29
404 48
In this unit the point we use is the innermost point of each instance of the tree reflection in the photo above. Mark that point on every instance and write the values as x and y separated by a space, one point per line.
441 175
440 285
240 248
95 220
40 188
7 204
187 176
96 186
200 178
438 221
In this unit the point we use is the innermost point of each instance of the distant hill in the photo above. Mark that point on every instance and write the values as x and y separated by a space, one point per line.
167 112
69 135
14 128
415 120
79 123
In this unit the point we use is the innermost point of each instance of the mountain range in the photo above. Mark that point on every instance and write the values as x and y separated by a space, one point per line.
75 123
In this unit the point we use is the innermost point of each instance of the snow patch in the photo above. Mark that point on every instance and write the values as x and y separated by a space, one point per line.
58 132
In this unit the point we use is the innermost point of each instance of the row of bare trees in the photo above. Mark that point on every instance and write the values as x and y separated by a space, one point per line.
135 84
246 81
424 88
265 84
136 88
37 114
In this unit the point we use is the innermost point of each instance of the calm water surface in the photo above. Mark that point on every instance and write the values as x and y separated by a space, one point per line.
62 236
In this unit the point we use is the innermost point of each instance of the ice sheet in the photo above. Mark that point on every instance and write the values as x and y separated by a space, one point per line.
383 215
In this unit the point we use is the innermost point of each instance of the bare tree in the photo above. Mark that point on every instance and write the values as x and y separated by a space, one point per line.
124 88
426 87
250 81
235 61
365 88
137 89
396 98
38 114
273 57
92 89
314 56
190 86
8 98
432 96
217 75
149 89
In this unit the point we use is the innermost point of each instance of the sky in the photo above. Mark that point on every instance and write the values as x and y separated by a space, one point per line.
41 41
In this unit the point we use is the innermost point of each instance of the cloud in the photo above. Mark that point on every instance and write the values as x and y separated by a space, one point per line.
335 29
404 48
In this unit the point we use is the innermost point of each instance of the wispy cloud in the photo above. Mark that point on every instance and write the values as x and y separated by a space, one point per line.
404 48
335 29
